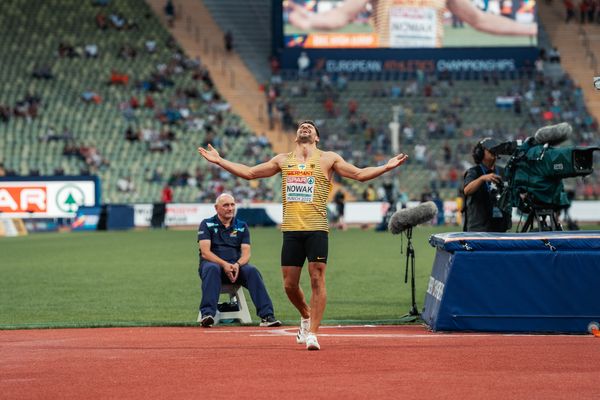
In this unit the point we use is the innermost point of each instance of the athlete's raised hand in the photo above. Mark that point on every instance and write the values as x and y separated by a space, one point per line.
396 161
211 154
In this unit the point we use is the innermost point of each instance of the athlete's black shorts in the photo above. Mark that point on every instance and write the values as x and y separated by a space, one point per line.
300 245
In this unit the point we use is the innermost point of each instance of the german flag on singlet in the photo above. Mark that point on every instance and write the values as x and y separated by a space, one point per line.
304 190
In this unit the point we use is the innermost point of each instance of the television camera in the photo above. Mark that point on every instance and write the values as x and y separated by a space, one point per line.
534 173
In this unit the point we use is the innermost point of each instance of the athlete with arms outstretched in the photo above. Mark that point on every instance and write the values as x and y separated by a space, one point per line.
306 184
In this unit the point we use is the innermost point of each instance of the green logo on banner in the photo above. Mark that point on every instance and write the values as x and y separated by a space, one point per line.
69 198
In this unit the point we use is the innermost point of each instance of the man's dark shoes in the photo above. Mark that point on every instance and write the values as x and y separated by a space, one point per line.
207 321
270 321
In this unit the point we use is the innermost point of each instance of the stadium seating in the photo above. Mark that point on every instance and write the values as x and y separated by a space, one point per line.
249 22
31 37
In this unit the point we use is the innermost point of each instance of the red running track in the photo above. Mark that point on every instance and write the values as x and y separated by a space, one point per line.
261 363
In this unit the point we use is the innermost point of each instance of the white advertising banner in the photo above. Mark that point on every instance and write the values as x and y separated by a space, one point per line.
45 199
355 212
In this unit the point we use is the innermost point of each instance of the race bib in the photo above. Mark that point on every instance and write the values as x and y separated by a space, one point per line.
300 189
413 27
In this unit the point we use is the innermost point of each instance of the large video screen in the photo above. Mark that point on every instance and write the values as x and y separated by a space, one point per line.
321 24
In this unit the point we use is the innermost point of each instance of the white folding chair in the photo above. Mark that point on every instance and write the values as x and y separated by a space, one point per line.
236 296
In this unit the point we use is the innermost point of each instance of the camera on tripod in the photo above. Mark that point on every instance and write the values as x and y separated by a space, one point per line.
535 170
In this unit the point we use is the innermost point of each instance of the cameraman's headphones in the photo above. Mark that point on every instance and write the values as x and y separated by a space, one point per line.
479 150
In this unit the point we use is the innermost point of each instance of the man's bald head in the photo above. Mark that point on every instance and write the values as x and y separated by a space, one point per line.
224 197
225 207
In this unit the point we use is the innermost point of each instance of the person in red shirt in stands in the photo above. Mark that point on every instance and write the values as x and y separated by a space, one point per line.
166 195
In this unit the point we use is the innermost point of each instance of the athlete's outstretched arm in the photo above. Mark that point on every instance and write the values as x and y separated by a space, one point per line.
348 170
489 23
335 18
263 170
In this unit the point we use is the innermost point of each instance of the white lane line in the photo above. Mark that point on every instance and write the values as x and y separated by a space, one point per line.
427 336
430 335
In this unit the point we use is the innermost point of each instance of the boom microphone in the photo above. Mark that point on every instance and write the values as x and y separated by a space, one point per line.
553 134
405 219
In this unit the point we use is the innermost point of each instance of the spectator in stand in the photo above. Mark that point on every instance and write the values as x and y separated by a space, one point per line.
4 113
274 64
447 153
150 46
329 106
91 50
155 176
170 13
43 71
166 195
66 50
554 55
117 21
90 96
125 185
131 135
352 107
591 11
228 39
584 6
51 135
548 116
409 133
340 205
117 78
420 153
133 102
127 52
303 64
101 21
149 102
369 194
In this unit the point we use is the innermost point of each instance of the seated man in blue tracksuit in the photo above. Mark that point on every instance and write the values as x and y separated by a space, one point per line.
224 243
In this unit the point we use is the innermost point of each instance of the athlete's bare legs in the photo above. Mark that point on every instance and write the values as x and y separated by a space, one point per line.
291 284
318 298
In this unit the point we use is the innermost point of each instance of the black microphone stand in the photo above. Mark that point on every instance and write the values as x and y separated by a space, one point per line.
413 314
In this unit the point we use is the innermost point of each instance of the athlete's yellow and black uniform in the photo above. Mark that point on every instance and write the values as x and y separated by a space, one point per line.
305 190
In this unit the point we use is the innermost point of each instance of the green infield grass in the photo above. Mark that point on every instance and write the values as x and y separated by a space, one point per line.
150 277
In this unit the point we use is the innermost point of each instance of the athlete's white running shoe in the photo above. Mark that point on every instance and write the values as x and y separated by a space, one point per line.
311 342
303 331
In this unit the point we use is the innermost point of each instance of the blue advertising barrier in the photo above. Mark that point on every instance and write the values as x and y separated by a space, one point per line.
255 217
87 219
116 217
514 282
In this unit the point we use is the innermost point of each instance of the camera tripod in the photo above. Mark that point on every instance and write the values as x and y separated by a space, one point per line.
544 217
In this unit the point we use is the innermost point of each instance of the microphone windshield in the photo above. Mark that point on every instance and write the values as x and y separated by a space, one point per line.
553 134
407 218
